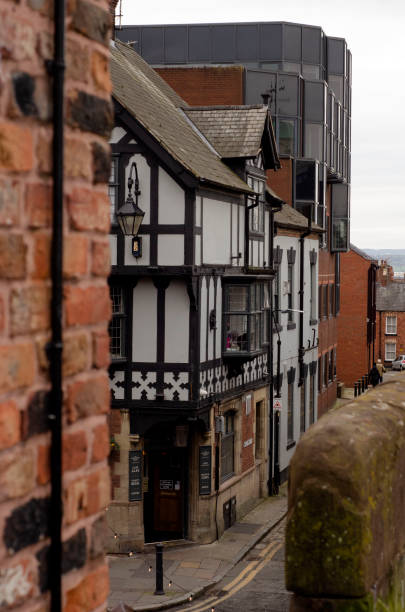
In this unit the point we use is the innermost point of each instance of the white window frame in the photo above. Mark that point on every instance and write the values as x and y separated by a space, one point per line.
390 351
391 325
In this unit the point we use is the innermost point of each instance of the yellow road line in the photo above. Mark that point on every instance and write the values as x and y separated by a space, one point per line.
237 584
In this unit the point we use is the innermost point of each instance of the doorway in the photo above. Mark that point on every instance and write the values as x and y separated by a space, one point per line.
165 510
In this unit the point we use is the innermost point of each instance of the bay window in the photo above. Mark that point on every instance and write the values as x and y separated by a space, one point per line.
245 317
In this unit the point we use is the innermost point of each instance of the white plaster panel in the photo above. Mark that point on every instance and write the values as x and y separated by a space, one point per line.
218 331
197 256
210 331
117 384
203 319
176 386
216 232
241 233
144 184
129 259
144 321
235 249
171 200
198 211
116 135
113 249
177 323
171 249
143 385
256 246
266 238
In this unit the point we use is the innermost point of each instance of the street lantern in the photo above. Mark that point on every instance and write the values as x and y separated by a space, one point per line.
130 216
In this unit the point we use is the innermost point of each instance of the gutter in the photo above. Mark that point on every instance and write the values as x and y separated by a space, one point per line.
55 347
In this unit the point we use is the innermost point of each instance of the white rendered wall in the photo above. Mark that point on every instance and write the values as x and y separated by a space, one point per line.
113 249
177 309
171 200
144 321
116 135
210 331
216 232
144 184
170 249
218 331
203 319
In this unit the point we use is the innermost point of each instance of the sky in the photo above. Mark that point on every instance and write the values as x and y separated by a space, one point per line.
375 34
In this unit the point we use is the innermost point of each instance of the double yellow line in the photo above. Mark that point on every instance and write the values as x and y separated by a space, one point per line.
241 580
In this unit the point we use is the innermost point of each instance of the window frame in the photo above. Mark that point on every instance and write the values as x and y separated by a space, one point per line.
256 319
113 185
390 332
228 438
121 318
390 344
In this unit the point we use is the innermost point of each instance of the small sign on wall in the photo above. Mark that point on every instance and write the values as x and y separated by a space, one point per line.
248 402
135 475
205 470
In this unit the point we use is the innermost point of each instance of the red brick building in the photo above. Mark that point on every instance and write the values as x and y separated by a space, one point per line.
357 320
390 305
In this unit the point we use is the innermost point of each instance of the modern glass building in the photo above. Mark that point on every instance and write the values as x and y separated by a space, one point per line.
307 77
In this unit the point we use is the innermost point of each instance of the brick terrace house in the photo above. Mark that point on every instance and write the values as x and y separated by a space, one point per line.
307 76
357 320
390 306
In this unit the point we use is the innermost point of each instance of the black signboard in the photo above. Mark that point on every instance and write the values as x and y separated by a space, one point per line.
135 475
205 470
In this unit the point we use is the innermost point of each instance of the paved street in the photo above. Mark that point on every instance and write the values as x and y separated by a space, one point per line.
255 584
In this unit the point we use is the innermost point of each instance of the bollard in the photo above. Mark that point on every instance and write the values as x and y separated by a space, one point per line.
362 384
355 389
359 386
159 569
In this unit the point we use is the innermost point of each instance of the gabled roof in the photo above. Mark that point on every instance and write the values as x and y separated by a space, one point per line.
138 89
361 253
237 131
289 217
391 297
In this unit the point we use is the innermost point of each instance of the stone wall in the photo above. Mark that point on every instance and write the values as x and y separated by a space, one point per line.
26 35
345 539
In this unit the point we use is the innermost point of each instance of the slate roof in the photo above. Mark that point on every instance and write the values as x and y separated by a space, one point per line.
234 131
391 297
289 217
139 90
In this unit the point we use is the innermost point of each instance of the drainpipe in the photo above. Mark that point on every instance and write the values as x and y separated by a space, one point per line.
301 350
55 347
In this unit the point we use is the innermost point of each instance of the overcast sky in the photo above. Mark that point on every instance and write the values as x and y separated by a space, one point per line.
375 33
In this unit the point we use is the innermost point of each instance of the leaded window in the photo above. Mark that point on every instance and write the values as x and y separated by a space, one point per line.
256 205
117 324
113 188
245 317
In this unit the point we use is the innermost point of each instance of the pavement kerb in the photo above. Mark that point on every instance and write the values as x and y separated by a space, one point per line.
259 535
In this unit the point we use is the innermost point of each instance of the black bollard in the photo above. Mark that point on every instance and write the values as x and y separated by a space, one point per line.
359 386
355 389
159 569
362 384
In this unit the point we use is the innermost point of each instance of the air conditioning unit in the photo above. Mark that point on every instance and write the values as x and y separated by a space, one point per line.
220 424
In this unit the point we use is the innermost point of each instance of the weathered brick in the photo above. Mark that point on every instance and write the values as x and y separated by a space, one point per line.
89 210
101 349
17 37
89 113
90 593
74 556
76 354
17 366
38 205
75 255
41 257
74 450
84 306
78 159
86 496
101 443
98 537
10 424
29 309
10 193
77 61
2 314
101 163
35 418
92 21
17 582
13 253
24 90
88 397
44 152
45 7
101 258
26 524
17 473
43 464
100 71
16 147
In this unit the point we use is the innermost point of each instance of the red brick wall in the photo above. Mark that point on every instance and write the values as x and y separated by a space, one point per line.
206 85
382 337
281 180
353 352
25 289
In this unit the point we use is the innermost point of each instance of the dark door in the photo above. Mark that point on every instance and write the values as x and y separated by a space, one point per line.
164 515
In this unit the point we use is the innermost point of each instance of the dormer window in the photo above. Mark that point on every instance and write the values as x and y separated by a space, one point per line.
256 205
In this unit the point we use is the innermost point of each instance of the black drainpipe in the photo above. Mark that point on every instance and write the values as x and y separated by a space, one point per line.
55 347
301 350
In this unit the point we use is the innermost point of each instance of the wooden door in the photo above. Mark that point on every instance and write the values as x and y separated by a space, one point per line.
168 495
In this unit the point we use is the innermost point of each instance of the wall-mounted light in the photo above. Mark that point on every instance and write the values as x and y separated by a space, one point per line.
130 216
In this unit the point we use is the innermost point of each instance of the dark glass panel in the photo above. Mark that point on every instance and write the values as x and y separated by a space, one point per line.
286 136
336 56
270 41
152 45
314 101
223 43
246 42
311 45
287 95
292 43
314 141
176 44
258 83
199 43
305 180
336 84
310 72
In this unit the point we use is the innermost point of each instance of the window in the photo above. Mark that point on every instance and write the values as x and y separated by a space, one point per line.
256 213
259 430
319 374
331 300
290 413
113 188
391 325
303 407
286 136
340 217
117 324
245 313
227 446
330 369
320 305
325 370
290 294
390 351
312 396
313 292
276 296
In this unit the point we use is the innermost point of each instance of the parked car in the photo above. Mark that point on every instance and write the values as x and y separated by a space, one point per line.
399 363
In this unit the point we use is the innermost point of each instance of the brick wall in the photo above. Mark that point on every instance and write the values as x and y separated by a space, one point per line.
25 288
382 337
206 85
353 353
